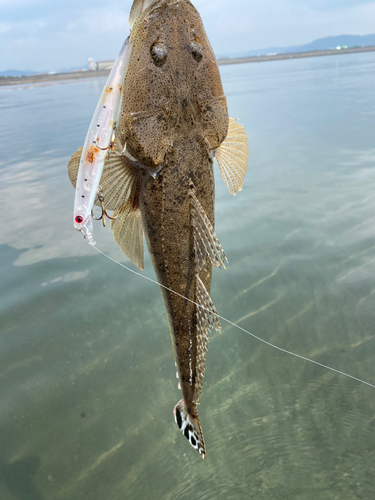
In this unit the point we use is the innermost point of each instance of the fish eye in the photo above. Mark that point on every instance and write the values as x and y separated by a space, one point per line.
196 50
158 53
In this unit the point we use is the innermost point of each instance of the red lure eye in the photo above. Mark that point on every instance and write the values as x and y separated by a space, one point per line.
78 219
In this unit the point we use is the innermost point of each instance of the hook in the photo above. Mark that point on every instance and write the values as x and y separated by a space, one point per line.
112 141
104 213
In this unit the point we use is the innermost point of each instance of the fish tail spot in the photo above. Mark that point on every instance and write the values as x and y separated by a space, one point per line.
190 427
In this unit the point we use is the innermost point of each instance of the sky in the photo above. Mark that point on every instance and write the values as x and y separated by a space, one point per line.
48 35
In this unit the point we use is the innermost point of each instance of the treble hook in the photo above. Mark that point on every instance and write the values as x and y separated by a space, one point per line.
104 213
111 143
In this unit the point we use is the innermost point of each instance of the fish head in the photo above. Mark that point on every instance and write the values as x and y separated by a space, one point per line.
173 84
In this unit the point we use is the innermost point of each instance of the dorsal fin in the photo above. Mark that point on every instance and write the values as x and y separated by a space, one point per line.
205 239
207 319
206 245
232 157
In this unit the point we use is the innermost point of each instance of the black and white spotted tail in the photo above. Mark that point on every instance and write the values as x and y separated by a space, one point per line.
190 427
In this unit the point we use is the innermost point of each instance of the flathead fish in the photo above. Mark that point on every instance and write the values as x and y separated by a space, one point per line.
159 180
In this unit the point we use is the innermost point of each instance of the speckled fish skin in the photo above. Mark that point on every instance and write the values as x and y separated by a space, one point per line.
173 116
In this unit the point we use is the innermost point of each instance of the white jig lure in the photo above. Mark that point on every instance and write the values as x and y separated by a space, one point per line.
99 139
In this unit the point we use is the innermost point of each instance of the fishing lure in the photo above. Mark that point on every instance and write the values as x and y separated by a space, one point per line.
99 140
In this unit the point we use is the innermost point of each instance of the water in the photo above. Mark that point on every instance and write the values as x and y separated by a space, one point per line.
86 366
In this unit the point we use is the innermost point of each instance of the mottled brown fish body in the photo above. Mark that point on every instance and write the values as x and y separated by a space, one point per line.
165 206
175 115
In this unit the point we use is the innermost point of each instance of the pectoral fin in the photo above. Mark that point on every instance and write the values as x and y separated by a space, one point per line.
120 183
232 156
128 232
73 167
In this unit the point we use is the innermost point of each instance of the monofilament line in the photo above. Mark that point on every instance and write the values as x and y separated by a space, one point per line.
237 326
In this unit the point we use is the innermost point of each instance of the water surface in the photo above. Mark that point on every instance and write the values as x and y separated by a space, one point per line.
86 365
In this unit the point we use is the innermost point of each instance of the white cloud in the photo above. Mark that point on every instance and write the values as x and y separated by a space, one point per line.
233 24
100 21
14 3
26 27
6 26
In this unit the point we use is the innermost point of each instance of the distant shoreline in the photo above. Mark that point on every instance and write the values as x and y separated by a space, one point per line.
79 75
296 55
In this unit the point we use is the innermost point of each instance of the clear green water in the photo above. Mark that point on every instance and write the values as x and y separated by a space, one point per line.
87 377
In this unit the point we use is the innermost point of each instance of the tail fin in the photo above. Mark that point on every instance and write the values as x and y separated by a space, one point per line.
190 427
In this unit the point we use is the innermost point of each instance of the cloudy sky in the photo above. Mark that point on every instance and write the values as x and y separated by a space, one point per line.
46 35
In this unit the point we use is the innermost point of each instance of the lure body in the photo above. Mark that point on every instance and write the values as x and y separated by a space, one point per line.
95 148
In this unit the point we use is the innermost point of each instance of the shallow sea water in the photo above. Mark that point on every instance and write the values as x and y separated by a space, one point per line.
86 366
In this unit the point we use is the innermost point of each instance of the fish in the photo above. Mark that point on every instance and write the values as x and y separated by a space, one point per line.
158 178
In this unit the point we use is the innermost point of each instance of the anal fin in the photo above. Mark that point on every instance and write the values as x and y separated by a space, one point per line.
232 156
205 239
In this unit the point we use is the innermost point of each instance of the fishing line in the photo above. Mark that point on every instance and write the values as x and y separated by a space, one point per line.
237 326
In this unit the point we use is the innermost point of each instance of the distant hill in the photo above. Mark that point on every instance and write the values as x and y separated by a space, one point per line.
330 42
16 72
